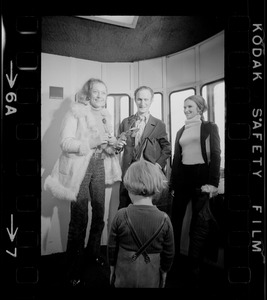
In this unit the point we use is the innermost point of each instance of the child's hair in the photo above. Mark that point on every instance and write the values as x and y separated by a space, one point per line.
144 178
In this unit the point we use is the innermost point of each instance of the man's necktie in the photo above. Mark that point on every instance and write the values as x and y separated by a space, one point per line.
141 123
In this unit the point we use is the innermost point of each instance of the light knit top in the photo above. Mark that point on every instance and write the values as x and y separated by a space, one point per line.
190 142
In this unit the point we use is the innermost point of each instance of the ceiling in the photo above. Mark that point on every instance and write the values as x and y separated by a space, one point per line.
150 37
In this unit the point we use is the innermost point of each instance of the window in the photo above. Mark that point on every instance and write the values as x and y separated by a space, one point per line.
119 107
177 111
214 93
111 106
124 107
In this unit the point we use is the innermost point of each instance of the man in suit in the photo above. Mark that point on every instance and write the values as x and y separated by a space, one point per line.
142 135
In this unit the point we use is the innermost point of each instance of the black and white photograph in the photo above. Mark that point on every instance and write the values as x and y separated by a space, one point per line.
138 143
94 95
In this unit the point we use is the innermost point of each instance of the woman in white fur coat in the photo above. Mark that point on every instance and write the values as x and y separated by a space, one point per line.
87 163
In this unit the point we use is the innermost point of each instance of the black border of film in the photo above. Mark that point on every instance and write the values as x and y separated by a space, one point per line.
21 154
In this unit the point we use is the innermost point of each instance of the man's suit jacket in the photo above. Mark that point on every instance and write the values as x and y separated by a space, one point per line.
155 131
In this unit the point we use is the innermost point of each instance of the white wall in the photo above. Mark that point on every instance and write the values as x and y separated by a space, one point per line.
199 64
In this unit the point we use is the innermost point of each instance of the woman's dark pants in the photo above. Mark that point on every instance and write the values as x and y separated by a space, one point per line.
93 189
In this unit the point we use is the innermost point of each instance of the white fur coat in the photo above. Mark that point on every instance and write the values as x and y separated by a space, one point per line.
79 135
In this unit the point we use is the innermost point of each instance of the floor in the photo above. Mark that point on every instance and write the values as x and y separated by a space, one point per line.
52 271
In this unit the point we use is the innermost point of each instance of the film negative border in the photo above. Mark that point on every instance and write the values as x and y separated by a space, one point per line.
20 174
237 155
258 162
245 172
245 140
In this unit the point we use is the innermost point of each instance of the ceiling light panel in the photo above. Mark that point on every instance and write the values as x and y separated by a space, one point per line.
125 21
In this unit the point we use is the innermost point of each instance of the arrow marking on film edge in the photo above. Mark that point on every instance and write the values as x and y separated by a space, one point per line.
10 233
13 254
10 79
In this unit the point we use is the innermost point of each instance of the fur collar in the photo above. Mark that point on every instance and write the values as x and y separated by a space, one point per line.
79 110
